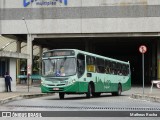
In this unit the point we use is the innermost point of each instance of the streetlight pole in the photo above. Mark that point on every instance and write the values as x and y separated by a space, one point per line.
26 26
29 36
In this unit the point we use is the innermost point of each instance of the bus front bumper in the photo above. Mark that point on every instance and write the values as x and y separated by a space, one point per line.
48 89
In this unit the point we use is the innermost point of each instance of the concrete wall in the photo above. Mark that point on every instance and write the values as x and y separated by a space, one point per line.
80 16
13 54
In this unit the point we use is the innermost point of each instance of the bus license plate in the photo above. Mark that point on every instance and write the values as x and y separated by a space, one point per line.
55 88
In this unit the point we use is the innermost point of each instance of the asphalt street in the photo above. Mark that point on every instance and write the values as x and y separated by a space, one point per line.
80 103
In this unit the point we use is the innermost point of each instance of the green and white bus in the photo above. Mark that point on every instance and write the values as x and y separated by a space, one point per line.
71 71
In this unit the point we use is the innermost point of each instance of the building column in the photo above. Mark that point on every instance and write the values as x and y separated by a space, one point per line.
153 69
30 59
18 60
12 72
40 59
158 59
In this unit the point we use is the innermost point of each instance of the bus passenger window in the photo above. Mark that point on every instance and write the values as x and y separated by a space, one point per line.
124 70
97 70
100 65
90 64
119 71
108 67
127 69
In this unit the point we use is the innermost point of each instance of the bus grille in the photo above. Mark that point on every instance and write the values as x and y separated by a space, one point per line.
60 84
51 85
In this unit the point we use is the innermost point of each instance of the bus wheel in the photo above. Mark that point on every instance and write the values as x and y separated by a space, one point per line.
118 93
61 95
119 90
88 94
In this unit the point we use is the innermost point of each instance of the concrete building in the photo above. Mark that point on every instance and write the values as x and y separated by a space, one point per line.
114 28
13 58
8 63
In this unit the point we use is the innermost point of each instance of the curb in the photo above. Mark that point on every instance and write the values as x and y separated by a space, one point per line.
36 95
146 97
6 100
19 97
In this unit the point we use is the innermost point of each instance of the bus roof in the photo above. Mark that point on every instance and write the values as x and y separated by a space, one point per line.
91 54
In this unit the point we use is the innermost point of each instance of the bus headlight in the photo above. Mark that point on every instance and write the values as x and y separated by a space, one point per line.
73 80
43 84
70 82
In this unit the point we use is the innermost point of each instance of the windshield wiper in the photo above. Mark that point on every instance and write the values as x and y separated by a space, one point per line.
53 64
62 63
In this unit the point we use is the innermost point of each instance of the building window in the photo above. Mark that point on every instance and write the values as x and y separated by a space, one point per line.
4 66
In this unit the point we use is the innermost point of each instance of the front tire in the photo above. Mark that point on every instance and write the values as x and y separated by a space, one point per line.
61 95
88 94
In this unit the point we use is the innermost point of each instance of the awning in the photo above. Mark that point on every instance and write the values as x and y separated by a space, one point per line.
13 55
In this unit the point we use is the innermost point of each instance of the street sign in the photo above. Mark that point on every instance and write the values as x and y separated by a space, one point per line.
142 49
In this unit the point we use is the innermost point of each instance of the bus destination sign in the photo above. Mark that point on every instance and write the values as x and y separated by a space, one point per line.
59 53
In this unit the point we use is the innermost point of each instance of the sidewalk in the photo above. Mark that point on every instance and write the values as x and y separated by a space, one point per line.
22 92
149 95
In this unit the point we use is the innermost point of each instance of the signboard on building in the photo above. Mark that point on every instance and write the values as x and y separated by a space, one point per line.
44 2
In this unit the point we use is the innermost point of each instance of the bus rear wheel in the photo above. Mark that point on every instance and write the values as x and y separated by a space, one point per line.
118 93
119 90
61 95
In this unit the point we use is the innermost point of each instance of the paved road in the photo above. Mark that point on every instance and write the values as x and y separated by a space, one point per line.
79 103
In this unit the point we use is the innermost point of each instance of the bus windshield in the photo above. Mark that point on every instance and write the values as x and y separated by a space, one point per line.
57 67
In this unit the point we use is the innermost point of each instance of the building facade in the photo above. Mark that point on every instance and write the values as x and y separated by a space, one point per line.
121 21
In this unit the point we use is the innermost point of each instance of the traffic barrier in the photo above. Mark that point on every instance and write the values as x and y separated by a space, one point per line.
33 77
157 82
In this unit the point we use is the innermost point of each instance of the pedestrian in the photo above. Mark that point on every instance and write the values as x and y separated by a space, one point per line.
8 80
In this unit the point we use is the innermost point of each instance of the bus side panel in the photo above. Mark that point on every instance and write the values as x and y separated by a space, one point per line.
125 81
83 87
127 85
83 83
72 88
109 83
113 80
102 83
